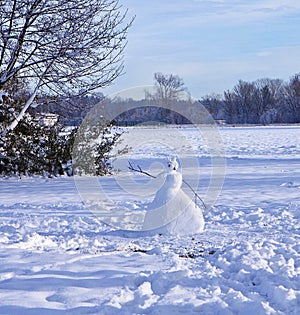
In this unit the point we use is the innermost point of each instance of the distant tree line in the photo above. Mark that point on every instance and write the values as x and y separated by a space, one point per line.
264 101
168 103
71 112
153 114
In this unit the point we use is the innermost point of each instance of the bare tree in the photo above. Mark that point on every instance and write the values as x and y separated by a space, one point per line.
268 95
61 47
168 86
214 104
292 99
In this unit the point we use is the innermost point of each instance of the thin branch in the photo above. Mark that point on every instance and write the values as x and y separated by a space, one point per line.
139 170
196 195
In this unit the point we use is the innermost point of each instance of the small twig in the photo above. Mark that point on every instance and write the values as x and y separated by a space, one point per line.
196 195
139 170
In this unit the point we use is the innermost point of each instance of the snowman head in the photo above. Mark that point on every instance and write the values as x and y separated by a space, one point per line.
172 164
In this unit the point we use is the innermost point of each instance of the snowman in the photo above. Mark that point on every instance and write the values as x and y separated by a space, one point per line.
172 211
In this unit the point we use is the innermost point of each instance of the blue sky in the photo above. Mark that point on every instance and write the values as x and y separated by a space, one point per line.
211 44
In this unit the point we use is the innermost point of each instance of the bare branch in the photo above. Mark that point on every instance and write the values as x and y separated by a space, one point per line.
67 47
196 195
139 170
168 86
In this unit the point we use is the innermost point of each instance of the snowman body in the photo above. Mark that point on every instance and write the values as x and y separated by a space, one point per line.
172 211
172 182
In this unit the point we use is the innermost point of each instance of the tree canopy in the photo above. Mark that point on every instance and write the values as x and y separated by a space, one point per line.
61 47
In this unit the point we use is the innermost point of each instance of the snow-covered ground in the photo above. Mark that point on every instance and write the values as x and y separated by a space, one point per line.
57 258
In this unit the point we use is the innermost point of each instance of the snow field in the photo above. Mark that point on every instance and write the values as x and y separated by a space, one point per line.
57 258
